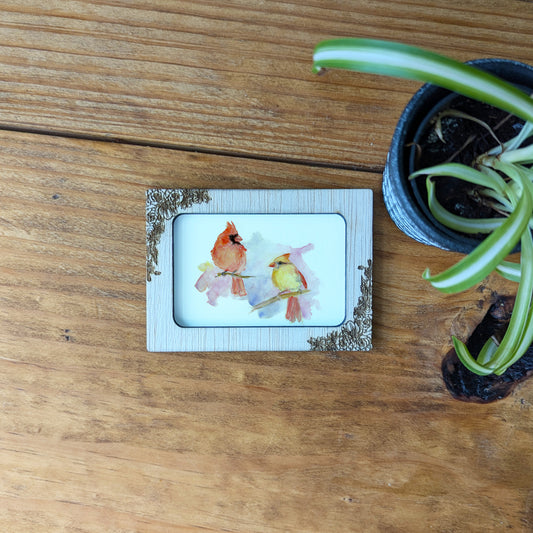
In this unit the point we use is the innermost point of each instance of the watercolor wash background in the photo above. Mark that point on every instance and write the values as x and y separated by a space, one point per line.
317 243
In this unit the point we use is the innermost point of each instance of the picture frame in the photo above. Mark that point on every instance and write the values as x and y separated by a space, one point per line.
259 270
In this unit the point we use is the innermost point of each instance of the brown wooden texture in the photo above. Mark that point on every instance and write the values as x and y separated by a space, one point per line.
230 76
96 434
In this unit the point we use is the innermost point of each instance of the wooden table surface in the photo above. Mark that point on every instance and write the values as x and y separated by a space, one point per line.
101 100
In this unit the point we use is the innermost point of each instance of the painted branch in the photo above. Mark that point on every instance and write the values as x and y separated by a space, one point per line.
233 274
279 296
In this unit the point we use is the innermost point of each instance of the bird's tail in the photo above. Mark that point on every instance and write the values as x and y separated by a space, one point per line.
237 287
294 311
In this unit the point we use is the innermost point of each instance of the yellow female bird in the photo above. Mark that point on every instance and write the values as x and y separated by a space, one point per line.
287 278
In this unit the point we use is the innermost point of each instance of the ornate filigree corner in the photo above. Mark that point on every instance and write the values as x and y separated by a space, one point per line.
161 206
355 334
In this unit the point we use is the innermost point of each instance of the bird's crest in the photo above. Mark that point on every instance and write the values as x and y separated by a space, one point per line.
282 259
230 228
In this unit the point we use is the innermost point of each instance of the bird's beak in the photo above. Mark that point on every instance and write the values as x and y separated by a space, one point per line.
273 264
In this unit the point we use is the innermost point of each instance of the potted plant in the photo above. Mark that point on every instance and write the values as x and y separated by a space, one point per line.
501 176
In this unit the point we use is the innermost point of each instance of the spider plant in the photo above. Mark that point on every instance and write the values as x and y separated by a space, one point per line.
503 175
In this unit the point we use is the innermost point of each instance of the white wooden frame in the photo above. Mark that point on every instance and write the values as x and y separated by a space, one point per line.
164 334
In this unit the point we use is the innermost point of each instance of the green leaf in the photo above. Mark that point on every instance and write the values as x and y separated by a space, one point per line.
519 333
501 204
518 155
522 348
456 170
509 270
401 60
515 142
489 254
468 361
487 352
456 222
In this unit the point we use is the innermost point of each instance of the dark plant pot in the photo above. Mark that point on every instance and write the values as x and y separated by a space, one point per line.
402 199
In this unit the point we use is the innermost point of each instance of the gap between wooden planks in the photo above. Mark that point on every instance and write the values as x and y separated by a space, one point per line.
232 77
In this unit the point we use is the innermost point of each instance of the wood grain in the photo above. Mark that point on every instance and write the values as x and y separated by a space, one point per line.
98 435
231 77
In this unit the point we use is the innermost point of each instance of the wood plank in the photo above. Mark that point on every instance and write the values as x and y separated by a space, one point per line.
98 435
231 76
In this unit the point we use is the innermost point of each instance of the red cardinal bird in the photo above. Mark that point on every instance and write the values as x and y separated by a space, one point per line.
230 255
287 278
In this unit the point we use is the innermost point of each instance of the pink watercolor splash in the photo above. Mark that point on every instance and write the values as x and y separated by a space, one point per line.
217 286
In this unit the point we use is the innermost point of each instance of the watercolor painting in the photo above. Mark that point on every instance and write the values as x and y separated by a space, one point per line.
269 282
261 270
